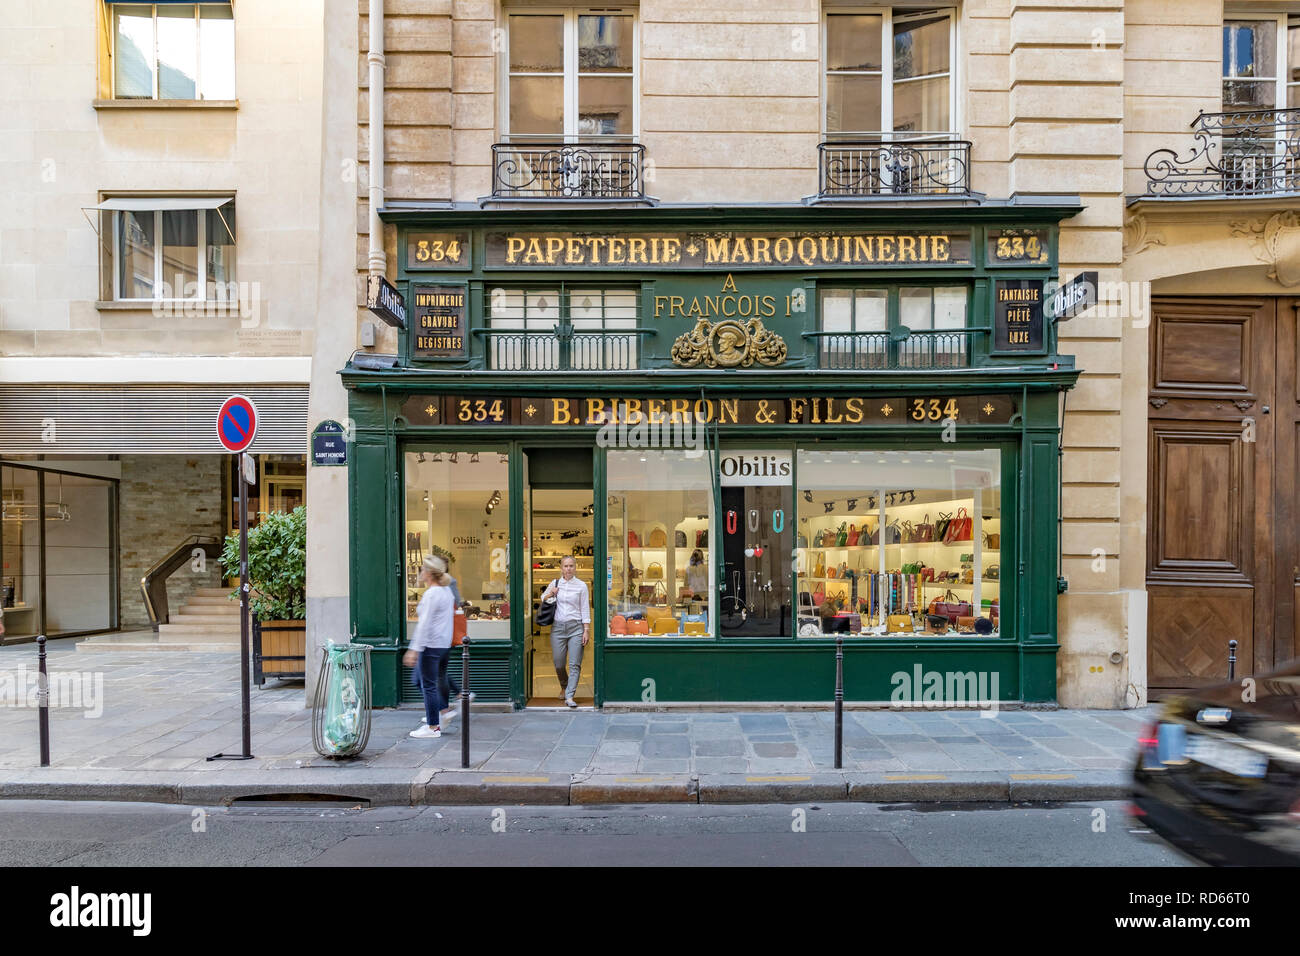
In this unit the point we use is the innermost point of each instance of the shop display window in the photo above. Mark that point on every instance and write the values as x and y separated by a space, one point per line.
899 543
457 507
660 575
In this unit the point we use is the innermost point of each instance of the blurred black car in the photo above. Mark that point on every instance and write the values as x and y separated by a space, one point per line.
1219 777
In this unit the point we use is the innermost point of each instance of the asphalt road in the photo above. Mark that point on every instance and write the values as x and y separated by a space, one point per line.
44 833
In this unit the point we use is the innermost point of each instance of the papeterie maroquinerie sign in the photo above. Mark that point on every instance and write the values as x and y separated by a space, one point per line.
729 250
438 327
1018 315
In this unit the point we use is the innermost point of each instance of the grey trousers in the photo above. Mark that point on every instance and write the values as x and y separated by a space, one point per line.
566 640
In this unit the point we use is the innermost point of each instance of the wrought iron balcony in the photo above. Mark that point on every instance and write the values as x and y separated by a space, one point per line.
1246 153
899 349
562 349
885 167
577 171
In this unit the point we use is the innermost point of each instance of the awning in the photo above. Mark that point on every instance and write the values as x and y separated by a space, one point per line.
165 203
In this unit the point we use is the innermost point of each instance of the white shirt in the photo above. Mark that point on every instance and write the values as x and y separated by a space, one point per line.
435 612
572 603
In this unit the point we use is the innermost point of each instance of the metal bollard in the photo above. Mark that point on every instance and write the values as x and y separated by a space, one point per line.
464 704
839 701
43 701
1232 660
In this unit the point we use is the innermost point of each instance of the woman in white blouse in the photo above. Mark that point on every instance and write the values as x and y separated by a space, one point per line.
572 627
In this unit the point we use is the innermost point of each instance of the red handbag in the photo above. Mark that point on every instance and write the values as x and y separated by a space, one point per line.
960 528
853 535
632 540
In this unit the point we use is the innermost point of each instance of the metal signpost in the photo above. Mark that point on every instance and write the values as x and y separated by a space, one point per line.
236 428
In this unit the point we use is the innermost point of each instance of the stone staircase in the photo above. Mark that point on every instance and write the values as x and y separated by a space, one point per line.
208 621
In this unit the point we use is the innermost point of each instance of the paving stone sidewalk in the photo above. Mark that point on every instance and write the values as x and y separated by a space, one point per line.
160 715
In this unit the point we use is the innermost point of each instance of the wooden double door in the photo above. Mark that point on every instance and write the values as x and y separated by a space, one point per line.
1223 549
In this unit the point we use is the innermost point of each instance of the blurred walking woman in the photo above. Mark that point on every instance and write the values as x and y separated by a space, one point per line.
572 628
431 642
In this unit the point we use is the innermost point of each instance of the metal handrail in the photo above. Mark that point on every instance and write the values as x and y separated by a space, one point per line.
153 586
900 348
884 165
564 349
559 170
1235 153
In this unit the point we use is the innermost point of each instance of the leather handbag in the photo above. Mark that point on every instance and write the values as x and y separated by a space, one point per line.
992 572
925 530
654 571
951 607
927 574
941 527
679 538
665 625
893 534
992 539
658 538
640 626
702 538
633 541
459 628
909 533
801 541
900 622
842 535
968 576
828 538
819 595
618 624
960 528
853 536
546 610
694 625
819 569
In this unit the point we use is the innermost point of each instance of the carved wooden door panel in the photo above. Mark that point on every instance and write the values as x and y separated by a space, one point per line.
1212 528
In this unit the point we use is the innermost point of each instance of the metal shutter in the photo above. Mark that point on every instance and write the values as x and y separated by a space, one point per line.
134 419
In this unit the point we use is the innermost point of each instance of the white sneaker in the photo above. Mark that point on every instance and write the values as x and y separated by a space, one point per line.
570 702
450 714
424 730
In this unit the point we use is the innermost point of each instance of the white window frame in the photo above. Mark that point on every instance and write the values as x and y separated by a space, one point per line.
115 259
153 63
888 14
1281 18
571 75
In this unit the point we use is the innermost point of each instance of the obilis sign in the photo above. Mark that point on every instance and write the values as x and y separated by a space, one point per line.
385 301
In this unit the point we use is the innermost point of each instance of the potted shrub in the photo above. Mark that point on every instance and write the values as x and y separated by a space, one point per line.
277 576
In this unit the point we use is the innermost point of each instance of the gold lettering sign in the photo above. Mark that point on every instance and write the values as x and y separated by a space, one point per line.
725 250
692 411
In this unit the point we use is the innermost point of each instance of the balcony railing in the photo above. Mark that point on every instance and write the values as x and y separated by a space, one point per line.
885 167
1247 153
562 349
899 349
578 171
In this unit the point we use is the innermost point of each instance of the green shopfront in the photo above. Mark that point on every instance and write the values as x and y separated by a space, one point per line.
757 429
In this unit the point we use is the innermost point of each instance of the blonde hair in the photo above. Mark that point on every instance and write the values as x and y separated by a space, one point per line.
437 568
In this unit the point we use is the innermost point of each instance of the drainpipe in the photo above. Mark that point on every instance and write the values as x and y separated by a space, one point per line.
375 57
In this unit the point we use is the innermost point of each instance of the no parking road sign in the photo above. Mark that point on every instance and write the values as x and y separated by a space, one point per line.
237 423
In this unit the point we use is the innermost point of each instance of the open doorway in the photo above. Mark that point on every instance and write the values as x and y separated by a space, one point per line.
561 524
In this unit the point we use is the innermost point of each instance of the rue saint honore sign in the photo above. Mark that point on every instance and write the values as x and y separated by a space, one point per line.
725 250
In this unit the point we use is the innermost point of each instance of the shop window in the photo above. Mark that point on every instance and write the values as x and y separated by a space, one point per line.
170 249
570 328
895 327
889 73
661 574
571 75
172 51
899 543
457 506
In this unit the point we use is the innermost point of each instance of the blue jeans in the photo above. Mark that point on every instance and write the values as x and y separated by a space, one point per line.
432 670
